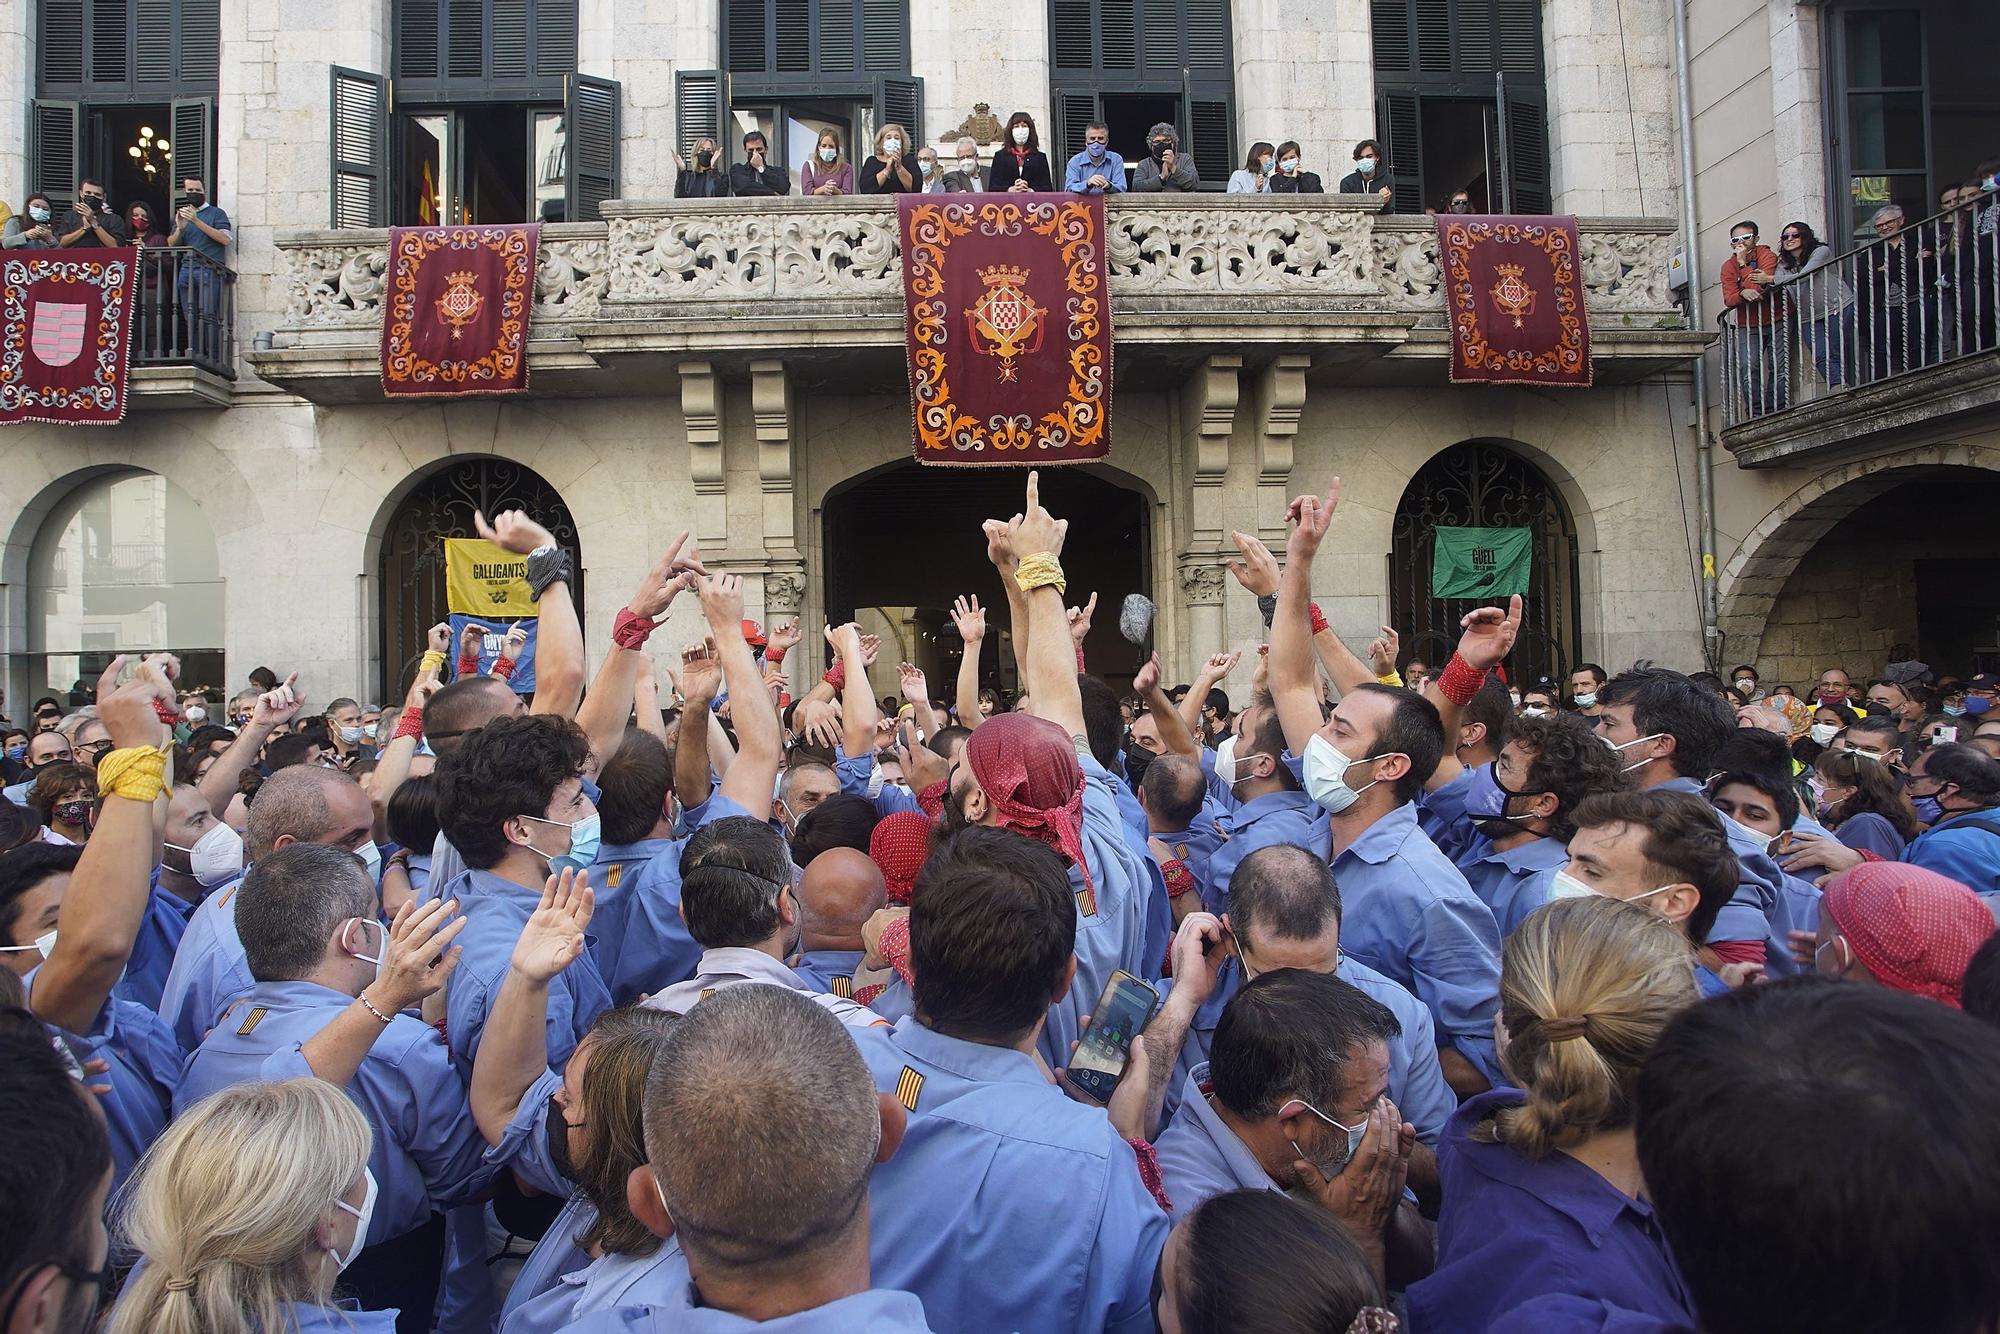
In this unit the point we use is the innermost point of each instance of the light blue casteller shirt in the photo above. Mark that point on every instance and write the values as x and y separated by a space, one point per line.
637 932
153 949
1516 882
1407 913
427 1154
524 1150
1262 822
876 1311
1200 1156
209 969
143 1068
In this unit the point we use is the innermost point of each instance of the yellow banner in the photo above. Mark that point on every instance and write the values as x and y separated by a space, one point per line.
482 579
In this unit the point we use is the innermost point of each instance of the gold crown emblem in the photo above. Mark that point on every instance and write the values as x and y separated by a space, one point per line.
1002 273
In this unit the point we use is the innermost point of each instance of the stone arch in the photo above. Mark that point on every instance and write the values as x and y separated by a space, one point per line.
1764 560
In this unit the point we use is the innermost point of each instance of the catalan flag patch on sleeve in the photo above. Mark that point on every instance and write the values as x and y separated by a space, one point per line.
251 1020
908 1086
842 987
1086 902
613 874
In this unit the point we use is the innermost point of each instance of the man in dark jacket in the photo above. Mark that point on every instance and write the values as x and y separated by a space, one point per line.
756 174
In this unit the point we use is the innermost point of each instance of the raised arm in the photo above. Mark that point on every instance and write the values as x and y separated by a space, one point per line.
1000 550
858 711
753 776
273 707
1216 669
558 633
1035 539
916 693
415 964
1486 637
1294 687
970 619
1174 729
646 706
701 677
112 883
514 1047
609 703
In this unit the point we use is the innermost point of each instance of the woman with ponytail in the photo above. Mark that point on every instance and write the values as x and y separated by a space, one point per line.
1545 1222
244 1213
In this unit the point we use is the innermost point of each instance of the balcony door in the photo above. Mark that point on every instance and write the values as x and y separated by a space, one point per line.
1134 64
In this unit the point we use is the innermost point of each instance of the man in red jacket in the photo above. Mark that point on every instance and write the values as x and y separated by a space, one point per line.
1749 292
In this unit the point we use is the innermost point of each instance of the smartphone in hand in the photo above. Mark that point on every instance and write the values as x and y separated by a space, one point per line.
1122 1011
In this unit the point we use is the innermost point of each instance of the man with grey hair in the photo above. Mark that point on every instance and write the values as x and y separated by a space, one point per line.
762 1127
331 986
967 176
301 804
1897 275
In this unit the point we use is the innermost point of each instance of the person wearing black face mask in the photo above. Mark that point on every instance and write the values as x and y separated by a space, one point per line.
1165 167
201 226
94 225
703 175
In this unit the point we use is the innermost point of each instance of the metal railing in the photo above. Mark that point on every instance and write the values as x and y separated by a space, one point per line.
187 311
1921 297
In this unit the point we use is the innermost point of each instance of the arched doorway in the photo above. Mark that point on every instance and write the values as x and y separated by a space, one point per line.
1481 484
124 562
410 560
903 540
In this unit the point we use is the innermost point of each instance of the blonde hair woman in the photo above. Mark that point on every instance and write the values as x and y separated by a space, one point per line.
1545 1214
245 1211
827 172
892 169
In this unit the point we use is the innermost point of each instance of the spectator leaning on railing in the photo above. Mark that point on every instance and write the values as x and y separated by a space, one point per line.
1823 306
1747 277
94 224
755 174
706 177
204 228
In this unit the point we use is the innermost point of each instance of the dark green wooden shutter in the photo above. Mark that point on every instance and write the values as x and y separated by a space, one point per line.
110 41
153 44
839 38
1209 138
746 37
1519 23
1431 20
591 113
418 32
509 39
1527 149
1389 30
60 47
1160 33
1205 25
1073 30
1398 126
360 148
55 150
885 37
1118 33
465 39
555 39
701 109
199 42
900 98
791 21
193 122
1074 112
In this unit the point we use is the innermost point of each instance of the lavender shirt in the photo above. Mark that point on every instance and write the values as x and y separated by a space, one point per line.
816 173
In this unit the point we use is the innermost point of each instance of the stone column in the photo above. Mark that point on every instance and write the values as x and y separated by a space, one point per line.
1304 72
1201 580
702 416
1612 145
1798 113
964 57
641 43
17 88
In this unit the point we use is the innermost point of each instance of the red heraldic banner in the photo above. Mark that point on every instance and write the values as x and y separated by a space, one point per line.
66 335
1008 321
456 321
1514 292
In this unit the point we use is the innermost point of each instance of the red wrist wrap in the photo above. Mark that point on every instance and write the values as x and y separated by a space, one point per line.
1179 879
631 630
836 676
775 656
1149 1172
411 724
1460 681
468 664
1318 617
894 947
1079 659
166 712
503 668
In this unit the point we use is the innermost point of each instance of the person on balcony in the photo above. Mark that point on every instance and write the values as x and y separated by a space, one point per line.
1254 176
139 222
201 226
1166 166
1020 165
29 229
1979 259
1292 178
94 224
827 172
1748 276
893 169
1369 175
967 178
1825 304
1097 170
1900 272
930 172
707 177
755 175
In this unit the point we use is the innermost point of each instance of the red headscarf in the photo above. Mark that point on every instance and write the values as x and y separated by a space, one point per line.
1027 768
898 848
1915 929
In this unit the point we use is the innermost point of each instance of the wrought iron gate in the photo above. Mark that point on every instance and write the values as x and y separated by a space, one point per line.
411 567
1481 485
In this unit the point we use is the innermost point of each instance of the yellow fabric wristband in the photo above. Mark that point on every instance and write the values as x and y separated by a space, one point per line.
136 773
1039 571
433 663
1392 679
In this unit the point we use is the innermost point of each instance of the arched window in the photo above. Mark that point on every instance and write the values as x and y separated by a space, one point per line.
125 563
1478 484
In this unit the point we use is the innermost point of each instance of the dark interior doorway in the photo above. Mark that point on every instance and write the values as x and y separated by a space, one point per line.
1130 116
117 130
1460 150
908 508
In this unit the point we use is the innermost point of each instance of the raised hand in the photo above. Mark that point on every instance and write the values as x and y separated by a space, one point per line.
1219 666
1366 1192
1383 651
127 711
722 602
513 531
870 646
671 575
1258 570
970 618
701 674
1000 547
911 677
417 954
516 640
783 638
439 638
1079 619
775 680
1311 517
1487 635
275 707
1147 679
922 766
471 639
871 935
1035 530
553 937
1198 953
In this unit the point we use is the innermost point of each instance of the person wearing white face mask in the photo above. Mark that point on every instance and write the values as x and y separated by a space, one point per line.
265 1247
826 172
892 168
332 989
1267 803
1666 850
199 855
967 176
1409 913
1370 174
1020 165
1291 177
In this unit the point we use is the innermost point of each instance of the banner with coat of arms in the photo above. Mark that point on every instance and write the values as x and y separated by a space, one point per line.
456 318
1514 295
1008 328
66 335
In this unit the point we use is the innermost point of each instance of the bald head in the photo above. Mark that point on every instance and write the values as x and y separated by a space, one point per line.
1171 792
841 889
308 804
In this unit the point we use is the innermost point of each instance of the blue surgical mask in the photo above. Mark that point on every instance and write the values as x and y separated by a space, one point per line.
1929 809
1486 799
17 752
1584 700
40 213
1096 151
1366 166
1954 710
1978 704
586 836
1330 1167
828 154
352 735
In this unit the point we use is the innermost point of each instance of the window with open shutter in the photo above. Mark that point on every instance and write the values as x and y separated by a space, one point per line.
360 148
128 50
1399 127
1442 41
55 149
193 123
805 39
701 108
591 115
482 50
1132 62
899 100
1525 149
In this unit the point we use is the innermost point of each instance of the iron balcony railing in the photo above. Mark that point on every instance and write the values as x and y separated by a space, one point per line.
187 311
1920 296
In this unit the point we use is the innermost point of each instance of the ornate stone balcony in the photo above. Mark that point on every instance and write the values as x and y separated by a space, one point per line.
817 283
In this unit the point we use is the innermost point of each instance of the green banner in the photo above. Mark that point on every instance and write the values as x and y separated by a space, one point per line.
1481 562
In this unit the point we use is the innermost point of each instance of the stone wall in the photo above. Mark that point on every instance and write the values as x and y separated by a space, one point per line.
1612 137
1843 607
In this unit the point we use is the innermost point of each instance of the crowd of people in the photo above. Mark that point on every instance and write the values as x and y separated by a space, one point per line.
1917 293
1402 996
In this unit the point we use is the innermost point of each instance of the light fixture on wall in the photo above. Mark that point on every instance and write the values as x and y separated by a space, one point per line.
150 154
